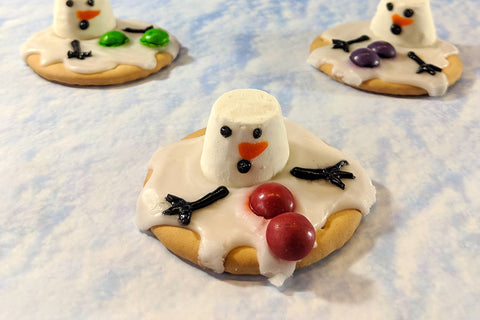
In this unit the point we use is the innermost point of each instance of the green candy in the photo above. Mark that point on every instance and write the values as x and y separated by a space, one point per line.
155 38
113 38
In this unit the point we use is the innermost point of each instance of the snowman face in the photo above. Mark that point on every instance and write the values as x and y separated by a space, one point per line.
82 19
245 142
407 23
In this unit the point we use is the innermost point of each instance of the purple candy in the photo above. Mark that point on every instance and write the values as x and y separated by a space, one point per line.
365 57
383 49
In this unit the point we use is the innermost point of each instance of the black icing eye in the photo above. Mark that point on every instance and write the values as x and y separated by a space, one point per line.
390 6
225 131
408 13
257 133
69 3
91 3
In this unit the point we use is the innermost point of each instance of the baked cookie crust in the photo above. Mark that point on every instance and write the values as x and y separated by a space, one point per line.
118 75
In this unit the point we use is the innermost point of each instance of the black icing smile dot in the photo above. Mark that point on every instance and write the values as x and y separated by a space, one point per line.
396 29
84 24
243 166
225 131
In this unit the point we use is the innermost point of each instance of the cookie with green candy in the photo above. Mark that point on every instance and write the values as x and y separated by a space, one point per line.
88 45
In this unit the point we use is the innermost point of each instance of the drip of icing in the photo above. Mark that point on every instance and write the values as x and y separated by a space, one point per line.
400 69
53 49
229 223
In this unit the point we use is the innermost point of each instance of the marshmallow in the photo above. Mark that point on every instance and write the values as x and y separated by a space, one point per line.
82 20
245 141
407 23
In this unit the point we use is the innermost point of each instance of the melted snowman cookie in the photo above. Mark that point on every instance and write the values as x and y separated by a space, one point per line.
87 45
397 52
254 193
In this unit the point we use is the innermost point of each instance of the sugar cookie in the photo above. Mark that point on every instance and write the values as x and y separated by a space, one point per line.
396 53
275 175
87 45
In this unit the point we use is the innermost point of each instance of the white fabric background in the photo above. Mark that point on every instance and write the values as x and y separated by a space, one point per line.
73 161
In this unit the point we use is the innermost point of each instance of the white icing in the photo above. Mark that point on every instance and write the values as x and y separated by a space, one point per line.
53 48
66 19
420 31
229 223
400 69
243 111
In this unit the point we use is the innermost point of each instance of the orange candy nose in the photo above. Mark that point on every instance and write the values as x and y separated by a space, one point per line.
87 15
401 21
249 151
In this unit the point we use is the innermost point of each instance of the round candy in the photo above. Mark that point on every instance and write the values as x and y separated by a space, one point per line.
271 199
290 236
113 38
155 38
383 49
365 57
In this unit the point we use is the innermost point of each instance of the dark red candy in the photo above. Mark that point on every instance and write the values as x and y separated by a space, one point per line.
290 236
271 199
365 57
383 49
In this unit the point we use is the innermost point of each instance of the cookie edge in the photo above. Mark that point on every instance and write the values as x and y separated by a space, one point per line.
122 73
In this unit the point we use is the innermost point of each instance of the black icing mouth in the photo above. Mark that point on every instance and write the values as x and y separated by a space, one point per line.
396 29
243 166
84 24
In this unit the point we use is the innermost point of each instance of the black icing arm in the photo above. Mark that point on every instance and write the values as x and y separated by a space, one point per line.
133 30
77 53
184 209
422 66
345 45
332 174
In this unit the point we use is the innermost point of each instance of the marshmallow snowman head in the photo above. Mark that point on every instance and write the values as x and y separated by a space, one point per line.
407 23
82 19
246 140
